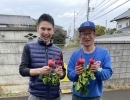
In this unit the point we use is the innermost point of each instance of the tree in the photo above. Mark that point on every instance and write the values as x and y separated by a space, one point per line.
100 30
59 36
36 23
112 30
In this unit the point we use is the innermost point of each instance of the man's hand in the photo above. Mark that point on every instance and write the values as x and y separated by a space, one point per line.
45 70
59 71
93 67
79 69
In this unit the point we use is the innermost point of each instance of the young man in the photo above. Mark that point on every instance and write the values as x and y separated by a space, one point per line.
88 50
34 62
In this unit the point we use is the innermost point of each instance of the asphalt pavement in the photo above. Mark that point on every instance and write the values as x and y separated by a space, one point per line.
107 95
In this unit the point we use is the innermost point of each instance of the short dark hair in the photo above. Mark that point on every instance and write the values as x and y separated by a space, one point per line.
46 17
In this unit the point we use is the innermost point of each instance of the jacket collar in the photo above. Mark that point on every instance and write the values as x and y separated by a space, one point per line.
41 42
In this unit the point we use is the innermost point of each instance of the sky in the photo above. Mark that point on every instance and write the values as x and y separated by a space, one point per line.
63 11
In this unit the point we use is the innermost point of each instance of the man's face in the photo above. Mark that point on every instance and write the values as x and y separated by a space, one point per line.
45 30
87 37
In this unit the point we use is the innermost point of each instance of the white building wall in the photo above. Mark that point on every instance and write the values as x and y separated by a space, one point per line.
16 35
123 23
3 26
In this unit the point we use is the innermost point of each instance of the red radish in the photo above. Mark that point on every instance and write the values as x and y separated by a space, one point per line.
51 63
77 63
81 61
60 62
91 61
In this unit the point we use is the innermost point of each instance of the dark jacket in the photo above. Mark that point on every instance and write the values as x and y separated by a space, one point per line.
36 55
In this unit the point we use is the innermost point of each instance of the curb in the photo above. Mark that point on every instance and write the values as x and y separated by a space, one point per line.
12 97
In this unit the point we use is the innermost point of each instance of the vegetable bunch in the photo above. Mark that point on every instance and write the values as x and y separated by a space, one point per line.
55 77
83 79
52 78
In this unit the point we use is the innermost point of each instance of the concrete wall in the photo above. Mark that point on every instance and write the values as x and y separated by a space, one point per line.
10 54
11 47
120 59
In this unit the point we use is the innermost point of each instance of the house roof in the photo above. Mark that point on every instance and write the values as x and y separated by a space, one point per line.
17 28
114 37
16 19
125 15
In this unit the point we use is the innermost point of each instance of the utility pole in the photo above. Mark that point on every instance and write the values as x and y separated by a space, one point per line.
106 28
75 13
74 25
88 10
69 30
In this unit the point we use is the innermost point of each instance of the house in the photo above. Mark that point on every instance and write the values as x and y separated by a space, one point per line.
123 22
16 21
19 27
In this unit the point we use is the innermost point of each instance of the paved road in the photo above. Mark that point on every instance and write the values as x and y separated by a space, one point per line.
66 55
108 95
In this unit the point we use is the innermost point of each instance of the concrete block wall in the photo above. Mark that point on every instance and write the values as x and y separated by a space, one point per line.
120 59
10 56
11 47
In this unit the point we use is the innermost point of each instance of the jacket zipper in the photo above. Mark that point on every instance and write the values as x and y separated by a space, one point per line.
46 51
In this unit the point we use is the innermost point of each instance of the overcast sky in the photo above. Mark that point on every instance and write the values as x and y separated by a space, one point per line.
63 10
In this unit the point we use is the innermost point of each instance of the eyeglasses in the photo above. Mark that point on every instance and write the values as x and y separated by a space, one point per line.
87 33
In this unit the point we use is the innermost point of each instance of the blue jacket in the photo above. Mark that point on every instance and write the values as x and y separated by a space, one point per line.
102 58
39 54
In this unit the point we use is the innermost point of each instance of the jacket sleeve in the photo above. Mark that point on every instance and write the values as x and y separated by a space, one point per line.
106 70
24 69
71 73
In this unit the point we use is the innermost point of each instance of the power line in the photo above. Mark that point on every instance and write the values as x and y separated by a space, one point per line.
112 9
91 1
82 9
87 2
105 8
96 2
100 22
83 17
81 20
101 5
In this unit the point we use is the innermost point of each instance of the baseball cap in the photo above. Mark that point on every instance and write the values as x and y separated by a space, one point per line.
87 24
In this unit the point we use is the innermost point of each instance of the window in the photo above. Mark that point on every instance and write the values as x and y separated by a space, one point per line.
127 24
119 26
30 36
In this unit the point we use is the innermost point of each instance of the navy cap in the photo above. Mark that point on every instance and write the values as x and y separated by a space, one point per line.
87 24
